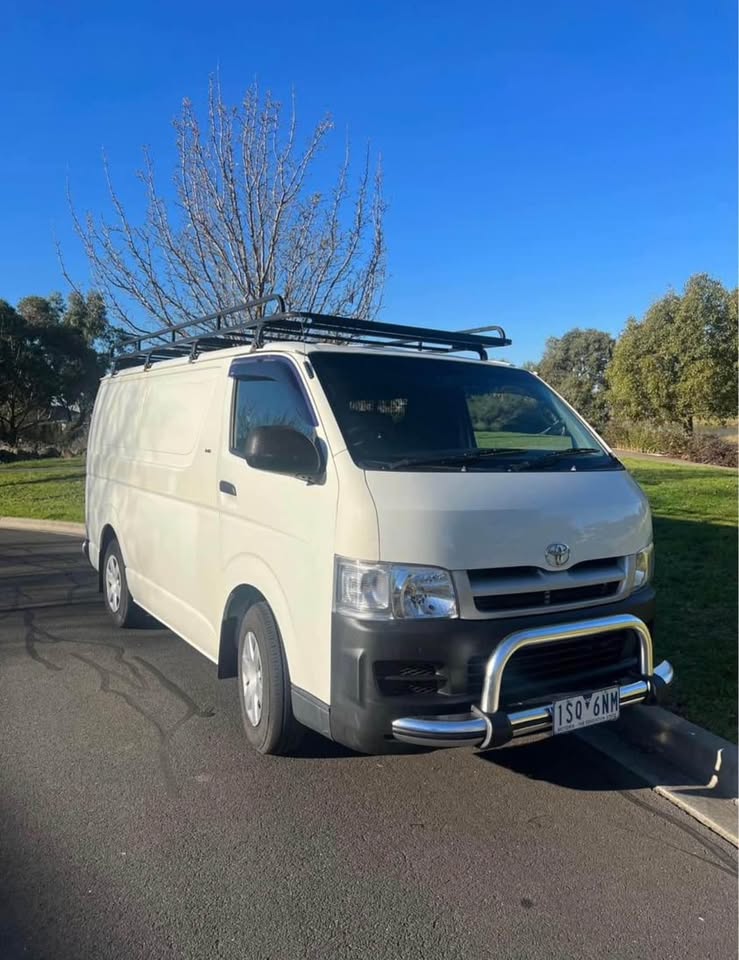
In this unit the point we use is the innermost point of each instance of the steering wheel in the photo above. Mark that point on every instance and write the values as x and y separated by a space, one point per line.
356 436
552 426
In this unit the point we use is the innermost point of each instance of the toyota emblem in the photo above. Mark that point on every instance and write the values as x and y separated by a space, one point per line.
557 554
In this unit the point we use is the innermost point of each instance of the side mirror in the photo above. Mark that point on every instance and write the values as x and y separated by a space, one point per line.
282 450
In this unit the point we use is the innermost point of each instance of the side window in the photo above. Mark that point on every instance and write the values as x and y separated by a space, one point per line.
267 393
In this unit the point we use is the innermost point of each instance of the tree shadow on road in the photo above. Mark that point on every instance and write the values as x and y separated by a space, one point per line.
57 477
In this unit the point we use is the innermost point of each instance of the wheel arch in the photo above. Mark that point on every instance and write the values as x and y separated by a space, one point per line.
107 534
239 601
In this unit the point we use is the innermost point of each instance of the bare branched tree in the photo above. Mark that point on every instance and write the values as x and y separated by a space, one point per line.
247 218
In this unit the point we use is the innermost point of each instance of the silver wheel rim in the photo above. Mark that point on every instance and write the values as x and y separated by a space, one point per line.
113 583
251 678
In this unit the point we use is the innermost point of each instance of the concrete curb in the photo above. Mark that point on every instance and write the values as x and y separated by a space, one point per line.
705 757
65 527
687 765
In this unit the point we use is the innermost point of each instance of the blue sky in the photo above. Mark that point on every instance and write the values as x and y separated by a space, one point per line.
547 164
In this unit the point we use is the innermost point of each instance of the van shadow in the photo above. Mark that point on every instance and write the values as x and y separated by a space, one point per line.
565 761
145 621
574 761
314 746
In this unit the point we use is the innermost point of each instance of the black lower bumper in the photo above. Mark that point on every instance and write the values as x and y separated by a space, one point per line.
365 698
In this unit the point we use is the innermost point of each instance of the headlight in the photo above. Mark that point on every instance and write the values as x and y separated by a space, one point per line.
388 591
643 566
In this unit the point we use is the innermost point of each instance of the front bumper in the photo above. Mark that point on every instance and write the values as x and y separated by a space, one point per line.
488 726
364 717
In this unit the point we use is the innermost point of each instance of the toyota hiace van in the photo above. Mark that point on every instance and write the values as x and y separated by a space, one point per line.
386 536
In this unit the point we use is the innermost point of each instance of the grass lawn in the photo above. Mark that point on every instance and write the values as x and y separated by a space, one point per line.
696 567
43 489
523 441
695 537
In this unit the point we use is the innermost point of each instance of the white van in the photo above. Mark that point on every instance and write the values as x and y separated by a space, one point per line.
386 541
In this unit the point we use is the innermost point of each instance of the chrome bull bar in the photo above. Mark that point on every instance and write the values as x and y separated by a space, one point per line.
489 726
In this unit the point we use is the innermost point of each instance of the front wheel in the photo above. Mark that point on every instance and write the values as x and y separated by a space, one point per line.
119 603
264 684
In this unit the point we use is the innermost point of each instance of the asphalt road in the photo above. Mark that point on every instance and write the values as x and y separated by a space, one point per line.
136 823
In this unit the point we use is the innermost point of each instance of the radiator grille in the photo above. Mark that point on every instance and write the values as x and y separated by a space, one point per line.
546 598
562 667
532 588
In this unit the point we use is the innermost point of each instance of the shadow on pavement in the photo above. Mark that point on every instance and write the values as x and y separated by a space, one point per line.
567 762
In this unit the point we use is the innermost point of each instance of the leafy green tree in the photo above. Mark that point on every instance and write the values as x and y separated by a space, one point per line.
502 411
88 315
47 362
575 365
679 362
41 311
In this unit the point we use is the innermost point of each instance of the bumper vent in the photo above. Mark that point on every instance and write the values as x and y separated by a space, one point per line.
408 677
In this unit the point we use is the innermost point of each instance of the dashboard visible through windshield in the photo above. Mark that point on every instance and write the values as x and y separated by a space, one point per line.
423 413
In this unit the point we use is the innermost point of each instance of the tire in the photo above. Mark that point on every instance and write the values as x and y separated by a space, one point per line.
119 603
264 684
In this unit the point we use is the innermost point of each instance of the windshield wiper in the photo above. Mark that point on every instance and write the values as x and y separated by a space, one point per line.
442 459
554 456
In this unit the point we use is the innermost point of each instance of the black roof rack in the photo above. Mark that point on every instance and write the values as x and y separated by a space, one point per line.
189 339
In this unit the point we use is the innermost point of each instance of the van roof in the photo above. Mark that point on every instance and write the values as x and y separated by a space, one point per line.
292 331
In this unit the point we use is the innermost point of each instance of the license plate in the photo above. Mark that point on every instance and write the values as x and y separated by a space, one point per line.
572 713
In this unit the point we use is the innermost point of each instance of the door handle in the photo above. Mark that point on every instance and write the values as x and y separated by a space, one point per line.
225 487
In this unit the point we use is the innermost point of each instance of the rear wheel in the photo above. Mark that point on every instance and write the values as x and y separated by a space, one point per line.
118 600
264 684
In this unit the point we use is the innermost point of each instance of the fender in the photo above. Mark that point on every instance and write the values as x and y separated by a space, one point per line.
249 570
110 518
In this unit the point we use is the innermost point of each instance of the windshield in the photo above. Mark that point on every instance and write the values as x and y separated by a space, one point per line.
422 413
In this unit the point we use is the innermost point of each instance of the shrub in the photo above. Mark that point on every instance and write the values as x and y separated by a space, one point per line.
673 442
648 438
27 451
709 448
